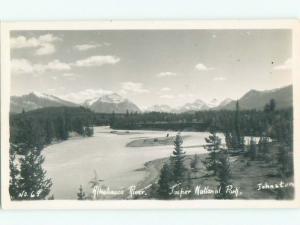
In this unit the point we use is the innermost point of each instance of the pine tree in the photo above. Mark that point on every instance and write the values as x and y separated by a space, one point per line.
89 131
49 131
62 130
81 194
33 182
283 161
178 160
194 162
237 122
14 172
252 149
30 134
272 105
78 126
213 147
38 135
263 147
165 179
282 131
223 176
228 140
112 118
237 138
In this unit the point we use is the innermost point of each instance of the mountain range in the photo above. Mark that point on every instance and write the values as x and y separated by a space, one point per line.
111 103
197 105
253 99
35 100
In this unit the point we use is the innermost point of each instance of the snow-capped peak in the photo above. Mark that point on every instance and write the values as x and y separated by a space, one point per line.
159 108
45 96
38 94
196 105
112 98
90 102
213 103
109 98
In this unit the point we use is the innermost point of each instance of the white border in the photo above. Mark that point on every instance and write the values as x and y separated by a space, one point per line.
294 25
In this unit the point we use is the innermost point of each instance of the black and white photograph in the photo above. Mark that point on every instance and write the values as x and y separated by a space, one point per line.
150 114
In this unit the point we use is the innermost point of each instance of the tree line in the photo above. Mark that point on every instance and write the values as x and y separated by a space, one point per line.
30 132
277 123
176 172
40 127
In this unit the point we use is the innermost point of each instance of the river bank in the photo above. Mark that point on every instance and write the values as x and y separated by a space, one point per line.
106 154
107 157
252 179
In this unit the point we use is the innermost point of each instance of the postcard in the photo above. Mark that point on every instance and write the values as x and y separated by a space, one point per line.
150 114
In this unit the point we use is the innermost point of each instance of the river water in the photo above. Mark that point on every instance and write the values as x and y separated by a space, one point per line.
76 161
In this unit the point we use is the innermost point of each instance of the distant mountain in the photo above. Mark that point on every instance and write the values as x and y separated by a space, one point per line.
222 104
254 99
213 103
35 100
159 108
111 103
225 102
197 105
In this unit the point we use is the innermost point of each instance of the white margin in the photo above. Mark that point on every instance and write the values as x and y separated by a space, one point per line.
293 25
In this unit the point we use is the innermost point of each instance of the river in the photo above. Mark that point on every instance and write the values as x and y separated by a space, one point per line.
74 162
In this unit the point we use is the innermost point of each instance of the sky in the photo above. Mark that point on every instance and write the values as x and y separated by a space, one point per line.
150 67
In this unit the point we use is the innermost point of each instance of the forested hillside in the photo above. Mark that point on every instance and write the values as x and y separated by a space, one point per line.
42 126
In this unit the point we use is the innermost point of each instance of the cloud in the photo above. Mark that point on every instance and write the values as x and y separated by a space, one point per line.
85 47
166 74
23 42
49 38
25 66
220 78
165 89
45 49
167 96
68 74
287 65
202 67
43 44
132 87
186 96
57 65
97 60
81 96
19 66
